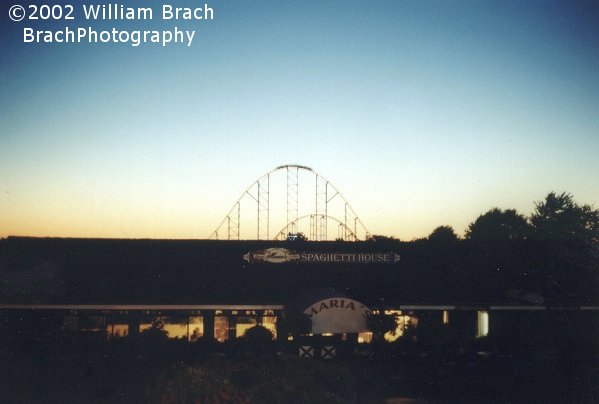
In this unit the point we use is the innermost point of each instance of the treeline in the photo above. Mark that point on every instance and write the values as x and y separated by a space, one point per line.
557 218
549 257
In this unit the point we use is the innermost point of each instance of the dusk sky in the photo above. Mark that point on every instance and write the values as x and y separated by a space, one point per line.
421 113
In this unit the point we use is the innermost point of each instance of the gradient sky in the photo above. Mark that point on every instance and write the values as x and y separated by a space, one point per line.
421 113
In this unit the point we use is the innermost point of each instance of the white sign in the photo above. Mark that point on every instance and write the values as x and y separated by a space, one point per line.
338 316
279 255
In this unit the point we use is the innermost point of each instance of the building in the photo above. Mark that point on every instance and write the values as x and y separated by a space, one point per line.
219 289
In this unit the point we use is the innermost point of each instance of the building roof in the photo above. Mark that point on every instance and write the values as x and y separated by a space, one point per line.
147 271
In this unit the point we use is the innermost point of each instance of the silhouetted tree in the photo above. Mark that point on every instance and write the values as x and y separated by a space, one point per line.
381 238
153 342
380 324
299 236
156 334
558 217
259 339
296 322
443 234
387 242
499 224
258 334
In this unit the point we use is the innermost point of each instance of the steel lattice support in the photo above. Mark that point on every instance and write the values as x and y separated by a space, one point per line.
263 199
348 233
292 198
345 222
233 222
313 227
322 186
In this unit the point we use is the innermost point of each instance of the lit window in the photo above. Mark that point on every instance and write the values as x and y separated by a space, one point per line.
196 327
174 328
270 323
221 328
483 324
243 324
117 330
365 337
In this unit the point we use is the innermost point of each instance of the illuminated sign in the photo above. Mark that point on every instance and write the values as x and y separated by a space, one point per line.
338 315
274 255
280 255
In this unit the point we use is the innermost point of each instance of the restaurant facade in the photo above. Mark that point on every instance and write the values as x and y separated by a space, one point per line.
200 289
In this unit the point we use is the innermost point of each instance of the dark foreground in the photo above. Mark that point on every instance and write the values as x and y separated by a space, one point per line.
151 368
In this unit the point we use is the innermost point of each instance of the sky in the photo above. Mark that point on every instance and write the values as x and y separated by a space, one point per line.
421 113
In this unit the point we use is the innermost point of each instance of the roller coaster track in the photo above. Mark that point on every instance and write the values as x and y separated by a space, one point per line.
343 231
327 202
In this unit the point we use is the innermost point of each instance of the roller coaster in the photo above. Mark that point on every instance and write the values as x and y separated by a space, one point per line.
314 210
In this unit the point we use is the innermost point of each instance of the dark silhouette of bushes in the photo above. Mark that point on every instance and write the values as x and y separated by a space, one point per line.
279 380
259 340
